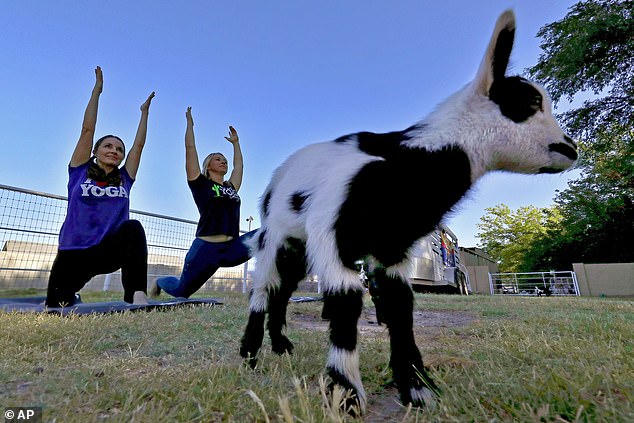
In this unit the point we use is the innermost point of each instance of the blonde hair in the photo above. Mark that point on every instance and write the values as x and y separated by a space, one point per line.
204 170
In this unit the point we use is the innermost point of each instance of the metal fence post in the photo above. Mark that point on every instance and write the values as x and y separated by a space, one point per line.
106 281
244 277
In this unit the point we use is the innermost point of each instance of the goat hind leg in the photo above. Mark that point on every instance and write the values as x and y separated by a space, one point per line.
291 266
251 341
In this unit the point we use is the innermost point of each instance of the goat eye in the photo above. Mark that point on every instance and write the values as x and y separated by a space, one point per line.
536 102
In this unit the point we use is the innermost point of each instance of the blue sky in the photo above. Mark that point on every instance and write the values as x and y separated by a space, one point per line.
284 73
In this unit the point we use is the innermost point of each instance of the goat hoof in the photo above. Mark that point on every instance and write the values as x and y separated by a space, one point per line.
421 398
252 362
250 358
349 403
282 345
352 406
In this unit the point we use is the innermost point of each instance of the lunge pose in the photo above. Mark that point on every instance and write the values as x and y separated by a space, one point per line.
97 235
218 242
372 196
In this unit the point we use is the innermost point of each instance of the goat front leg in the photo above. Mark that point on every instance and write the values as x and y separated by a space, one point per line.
394 298
343 310
251 341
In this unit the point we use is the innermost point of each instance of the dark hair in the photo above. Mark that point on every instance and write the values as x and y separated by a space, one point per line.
96 173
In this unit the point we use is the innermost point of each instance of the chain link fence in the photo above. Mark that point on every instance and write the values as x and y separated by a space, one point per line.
30 222
534 284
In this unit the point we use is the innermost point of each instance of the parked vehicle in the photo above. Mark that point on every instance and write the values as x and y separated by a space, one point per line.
436 265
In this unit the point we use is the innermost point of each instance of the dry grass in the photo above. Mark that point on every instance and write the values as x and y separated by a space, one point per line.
515 359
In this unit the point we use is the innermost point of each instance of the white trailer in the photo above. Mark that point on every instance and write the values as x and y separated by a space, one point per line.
436 264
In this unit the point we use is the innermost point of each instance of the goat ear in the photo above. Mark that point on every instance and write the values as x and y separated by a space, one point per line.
497 55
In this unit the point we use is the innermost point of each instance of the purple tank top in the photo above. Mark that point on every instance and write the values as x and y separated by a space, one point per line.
93 211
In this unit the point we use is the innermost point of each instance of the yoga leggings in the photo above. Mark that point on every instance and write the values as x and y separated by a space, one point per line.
202 261
125 249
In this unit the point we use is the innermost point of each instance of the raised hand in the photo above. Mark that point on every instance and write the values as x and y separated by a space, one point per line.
233 135
98 80
188 116
146 106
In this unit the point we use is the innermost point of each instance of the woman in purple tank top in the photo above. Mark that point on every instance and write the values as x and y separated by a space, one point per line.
97 236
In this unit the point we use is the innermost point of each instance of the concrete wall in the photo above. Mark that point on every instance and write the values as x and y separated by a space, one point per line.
611 280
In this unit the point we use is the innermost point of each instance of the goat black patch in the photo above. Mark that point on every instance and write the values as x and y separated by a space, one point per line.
344 138
262 240
265 204
291 262
343 310
297 200
382 145
392 203
517 98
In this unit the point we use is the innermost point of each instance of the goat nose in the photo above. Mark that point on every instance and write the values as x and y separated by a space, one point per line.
567 138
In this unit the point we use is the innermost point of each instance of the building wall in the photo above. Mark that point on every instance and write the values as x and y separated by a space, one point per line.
474 256
611 280
479 279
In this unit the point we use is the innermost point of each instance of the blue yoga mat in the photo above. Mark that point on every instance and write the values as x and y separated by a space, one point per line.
36 305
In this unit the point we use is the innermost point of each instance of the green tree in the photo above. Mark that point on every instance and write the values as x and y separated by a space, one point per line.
596 226
507 235
591 52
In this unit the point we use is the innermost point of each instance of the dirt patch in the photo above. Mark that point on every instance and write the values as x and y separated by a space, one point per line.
428 326
425 322
385 408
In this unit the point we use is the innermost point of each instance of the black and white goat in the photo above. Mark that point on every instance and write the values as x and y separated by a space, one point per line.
371 196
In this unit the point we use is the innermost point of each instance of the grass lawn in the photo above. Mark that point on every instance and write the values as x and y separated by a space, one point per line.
497 359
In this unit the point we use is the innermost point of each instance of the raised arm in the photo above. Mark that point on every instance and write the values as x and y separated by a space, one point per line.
192 166
236 173
83 149
134 156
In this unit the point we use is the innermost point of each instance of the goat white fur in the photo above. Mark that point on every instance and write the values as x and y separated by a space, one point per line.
321 211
